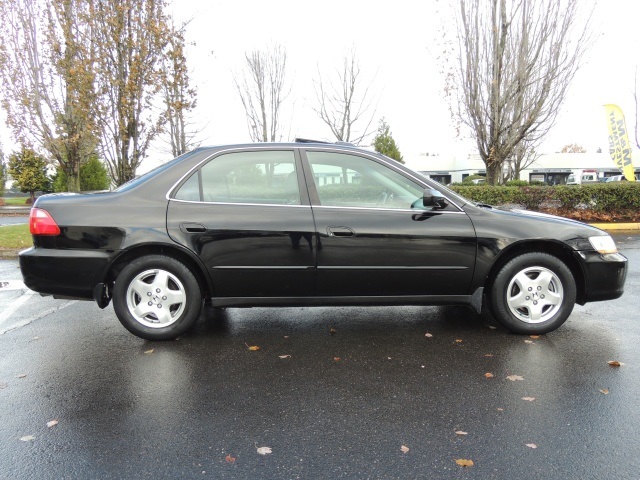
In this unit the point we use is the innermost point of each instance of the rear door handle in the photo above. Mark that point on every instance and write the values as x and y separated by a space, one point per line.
340 232
192 228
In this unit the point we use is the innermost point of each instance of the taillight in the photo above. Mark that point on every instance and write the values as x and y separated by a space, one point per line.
42 223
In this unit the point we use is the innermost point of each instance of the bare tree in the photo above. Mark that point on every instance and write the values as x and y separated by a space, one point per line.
344 102
516 61
262 88
524 155
130 37
47 72
179 97
573 148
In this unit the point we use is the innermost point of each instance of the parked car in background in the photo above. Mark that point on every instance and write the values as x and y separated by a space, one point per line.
619 178
583 177
308 224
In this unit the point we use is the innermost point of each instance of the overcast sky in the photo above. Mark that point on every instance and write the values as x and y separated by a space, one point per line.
396 43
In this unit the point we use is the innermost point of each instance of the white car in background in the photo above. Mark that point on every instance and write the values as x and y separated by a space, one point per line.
618 178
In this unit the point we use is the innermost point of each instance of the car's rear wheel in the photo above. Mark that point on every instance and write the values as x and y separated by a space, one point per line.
533 293
157 297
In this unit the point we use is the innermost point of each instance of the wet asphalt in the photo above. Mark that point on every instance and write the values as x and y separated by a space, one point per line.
355 393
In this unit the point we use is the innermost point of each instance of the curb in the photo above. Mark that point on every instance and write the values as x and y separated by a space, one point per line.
616 226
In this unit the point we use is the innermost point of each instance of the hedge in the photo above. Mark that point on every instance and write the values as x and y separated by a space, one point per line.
608 202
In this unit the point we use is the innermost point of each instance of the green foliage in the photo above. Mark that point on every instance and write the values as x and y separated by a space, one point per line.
29 171
597 202
385 144
3 177
93 176
518 183
468 180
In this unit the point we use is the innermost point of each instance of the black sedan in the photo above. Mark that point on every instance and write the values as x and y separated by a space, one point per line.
308 224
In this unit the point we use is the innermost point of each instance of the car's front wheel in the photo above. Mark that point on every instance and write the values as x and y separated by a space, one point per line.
157 297
533 293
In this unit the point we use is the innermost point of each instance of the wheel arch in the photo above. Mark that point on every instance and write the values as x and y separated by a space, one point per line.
556 249
187 258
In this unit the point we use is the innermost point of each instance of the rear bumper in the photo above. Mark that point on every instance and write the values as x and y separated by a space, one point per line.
605 275
67 273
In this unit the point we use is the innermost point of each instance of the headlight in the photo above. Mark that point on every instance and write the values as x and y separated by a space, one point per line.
603 244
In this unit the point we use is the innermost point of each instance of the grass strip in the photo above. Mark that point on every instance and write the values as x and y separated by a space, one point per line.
15 237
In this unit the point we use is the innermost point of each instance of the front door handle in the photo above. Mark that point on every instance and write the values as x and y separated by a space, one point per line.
192 228
340 232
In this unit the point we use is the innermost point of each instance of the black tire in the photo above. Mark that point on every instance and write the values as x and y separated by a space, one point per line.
533 293
157 298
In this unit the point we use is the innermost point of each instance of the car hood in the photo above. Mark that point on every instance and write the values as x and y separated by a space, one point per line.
546 216
511 225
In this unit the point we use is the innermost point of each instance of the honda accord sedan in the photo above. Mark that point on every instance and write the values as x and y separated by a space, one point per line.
313 224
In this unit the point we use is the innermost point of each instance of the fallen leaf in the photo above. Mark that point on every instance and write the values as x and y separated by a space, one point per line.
488 375
388 358
332 331
532 445
529 399
284 356
459 340
404 449
515 378
264 450
615 363
530 342
604 391
286 336
428 335
253 348
336 359
22 375
534 336
500 409
27 438
52 423
148 351
422 366
230 459
488 354
460 432
491 327
464 463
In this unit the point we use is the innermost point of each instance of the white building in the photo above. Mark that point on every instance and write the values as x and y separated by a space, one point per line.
551 168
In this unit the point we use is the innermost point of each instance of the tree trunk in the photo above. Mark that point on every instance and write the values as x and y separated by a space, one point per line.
73 182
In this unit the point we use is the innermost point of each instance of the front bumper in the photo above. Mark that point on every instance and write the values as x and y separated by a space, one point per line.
65 273
605 275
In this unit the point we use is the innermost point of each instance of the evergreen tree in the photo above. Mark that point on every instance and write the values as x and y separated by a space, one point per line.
3 172
385 144
29 171
93 176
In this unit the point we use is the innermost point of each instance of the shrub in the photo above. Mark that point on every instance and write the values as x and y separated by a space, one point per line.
605 202
469 180
518 183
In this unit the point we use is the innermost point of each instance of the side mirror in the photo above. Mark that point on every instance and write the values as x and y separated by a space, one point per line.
432 198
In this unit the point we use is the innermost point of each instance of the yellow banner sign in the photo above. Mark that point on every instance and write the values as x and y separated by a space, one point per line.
619 147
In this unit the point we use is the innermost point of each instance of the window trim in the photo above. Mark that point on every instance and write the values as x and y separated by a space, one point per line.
304 197
315 198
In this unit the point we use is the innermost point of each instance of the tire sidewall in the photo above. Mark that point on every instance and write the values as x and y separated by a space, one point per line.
193 303
498 296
